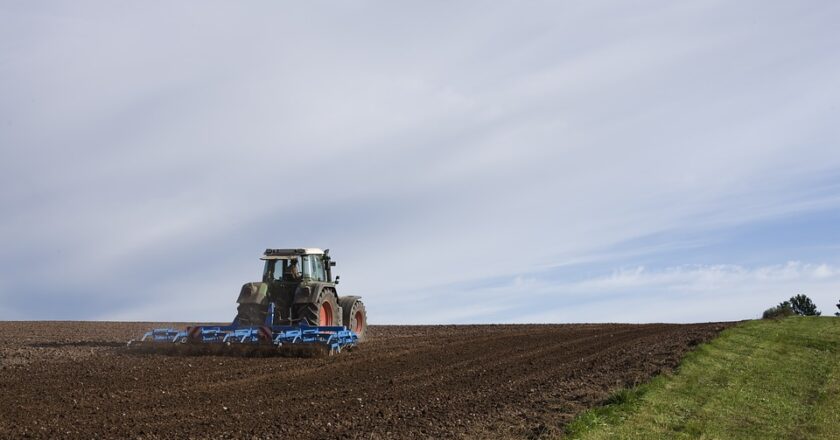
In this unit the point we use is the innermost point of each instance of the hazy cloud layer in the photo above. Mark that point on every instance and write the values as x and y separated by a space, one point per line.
150 151
689 293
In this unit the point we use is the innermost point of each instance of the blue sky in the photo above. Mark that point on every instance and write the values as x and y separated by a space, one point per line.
466 162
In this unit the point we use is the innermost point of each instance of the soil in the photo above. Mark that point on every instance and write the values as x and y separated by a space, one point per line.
77 379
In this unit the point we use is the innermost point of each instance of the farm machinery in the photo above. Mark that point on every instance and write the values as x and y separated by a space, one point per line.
294 310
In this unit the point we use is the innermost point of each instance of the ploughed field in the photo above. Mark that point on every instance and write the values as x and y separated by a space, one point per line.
76 379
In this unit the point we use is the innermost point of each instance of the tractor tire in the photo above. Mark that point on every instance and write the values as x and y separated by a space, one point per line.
251 314
323 312
354 315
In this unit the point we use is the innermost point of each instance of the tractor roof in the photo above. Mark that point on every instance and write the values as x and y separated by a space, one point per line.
280 254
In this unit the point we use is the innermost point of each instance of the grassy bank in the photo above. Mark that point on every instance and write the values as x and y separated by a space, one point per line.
761 379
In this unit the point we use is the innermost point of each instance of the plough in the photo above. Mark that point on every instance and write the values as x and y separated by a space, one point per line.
296 339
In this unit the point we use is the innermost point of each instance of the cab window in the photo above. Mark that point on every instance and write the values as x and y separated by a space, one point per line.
313 268
274 269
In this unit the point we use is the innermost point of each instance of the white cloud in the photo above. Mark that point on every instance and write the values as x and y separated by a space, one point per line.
686 293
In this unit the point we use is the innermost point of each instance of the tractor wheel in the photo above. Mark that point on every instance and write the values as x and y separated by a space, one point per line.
251 314
324 311
355 315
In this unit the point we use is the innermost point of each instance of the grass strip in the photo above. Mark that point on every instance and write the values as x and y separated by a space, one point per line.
768 379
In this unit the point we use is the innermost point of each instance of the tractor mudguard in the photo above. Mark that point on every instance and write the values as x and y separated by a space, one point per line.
253 293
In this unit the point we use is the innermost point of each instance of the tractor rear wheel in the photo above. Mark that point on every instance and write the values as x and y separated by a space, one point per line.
355 315
323 312
251 314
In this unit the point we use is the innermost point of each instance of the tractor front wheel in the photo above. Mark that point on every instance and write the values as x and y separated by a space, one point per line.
323 312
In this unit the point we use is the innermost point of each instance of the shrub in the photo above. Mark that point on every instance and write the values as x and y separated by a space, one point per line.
780 311
803 305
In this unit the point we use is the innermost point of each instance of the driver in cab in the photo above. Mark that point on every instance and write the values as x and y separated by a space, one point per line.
291 273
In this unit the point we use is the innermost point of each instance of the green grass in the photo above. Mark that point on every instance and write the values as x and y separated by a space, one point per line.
759 380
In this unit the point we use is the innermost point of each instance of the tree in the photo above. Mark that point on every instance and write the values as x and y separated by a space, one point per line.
838 306
780 311
802 305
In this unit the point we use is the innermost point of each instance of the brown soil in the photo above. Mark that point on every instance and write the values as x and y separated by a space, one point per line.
76 379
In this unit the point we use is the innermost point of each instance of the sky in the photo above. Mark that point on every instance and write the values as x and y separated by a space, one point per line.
465 161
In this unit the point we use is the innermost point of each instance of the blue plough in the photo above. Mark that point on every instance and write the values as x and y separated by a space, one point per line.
263 340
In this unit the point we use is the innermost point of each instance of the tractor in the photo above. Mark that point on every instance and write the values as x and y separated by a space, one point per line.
295 310
300 284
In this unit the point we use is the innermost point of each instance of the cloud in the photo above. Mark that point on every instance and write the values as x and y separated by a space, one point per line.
686 293
426 147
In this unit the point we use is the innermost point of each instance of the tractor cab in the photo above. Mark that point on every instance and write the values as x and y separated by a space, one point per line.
296 265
